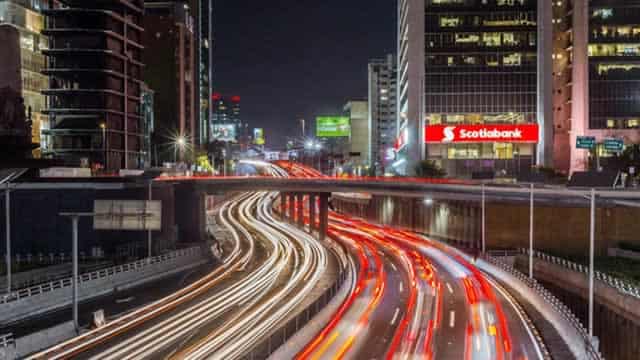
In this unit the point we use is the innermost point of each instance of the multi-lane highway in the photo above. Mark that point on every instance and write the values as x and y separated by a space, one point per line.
411 297
269 272
437 305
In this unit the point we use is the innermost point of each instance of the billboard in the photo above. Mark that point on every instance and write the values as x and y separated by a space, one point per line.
443 134
127 215
333 126
258 136
224 132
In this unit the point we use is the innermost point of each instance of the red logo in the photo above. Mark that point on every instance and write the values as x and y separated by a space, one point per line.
528 133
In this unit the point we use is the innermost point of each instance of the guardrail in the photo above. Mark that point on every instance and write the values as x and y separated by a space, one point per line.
7 340
268 346
557 305
620 285
67 282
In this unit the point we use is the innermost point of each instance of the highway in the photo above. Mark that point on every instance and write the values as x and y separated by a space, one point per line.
411 297
438 306
269 271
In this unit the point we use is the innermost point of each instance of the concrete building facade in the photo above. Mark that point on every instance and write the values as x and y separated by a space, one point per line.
382 111
597 77
94 64
359 149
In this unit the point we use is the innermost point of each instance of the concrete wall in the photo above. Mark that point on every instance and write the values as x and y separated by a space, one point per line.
36 226
616 316
558 229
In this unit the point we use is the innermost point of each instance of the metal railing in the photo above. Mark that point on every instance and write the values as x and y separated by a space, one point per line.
7 340
621 286
269 345
67 282
551 299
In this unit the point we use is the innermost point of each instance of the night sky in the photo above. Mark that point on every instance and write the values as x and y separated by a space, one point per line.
292 59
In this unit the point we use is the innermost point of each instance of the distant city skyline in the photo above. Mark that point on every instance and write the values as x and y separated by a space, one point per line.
291 60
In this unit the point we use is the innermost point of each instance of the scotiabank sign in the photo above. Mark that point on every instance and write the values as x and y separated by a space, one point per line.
443 134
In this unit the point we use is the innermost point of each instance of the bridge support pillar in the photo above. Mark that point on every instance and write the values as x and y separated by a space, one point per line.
283 205
300 210
312 213
324 215
292 207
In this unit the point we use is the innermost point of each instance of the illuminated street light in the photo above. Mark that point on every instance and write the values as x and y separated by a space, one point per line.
428 202
180 142
318 146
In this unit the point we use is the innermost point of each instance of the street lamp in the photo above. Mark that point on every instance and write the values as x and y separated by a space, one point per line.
103 127
179 143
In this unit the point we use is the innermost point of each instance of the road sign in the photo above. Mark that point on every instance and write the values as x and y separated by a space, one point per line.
127 215
586 142
613 145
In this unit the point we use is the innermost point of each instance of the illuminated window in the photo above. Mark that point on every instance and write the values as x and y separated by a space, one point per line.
463 151
450 21
512 59
633 123
491 39
611 124
503 151
603 13
467 38
509 38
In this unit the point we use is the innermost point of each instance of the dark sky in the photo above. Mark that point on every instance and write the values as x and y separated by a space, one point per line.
292 59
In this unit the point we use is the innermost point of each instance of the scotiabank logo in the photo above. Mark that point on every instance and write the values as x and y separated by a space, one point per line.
482 133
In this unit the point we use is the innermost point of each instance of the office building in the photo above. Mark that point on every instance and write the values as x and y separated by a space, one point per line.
202 12
473 93
22 44
359 147
597 82
382 112
94 64
170 48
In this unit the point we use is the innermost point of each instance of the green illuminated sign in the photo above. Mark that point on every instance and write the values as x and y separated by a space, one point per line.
333 126
613 145
586 142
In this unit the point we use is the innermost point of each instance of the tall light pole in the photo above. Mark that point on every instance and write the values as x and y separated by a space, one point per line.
103 127
7 203
592 240
179 143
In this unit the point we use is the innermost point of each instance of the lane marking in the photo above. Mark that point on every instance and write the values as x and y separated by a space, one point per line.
394 267
452 319
401 287
450 288
395 316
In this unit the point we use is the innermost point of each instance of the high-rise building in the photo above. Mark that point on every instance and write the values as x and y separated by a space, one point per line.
597 83
382 114
170 49
94 64
202 11
24 20
473 93
360 140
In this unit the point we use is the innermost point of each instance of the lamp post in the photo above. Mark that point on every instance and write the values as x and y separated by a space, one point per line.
179 143
103 127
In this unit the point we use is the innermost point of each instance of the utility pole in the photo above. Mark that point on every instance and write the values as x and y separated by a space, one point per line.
531 208
592 240
7 205
484 205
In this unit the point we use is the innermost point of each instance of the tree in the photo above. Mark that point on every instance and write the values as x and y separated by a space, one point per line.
430 169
